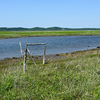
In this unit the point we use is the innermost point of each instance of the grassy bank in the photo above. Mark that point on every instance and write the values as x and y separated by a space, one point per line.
76 77
15 34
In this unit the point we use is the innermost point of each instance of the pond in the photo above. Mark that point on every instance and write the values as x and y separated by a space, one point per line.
54 45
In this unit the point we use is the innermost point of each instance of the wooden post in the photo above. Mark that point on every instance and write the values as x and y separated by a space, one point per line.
27 50
21 51
24 62
31 56
44 54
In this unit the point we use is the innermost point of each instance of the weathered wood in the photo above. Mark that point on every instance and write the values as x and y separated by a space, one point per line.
44 54
30 44
28 51
25 58
21 51
31 58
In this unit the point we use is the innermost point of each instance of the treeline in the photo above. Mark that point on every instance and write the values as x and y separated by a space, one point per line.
44 29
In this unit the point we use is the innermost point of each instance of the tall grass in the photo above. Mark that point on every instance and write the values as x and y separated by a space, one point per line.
77 78
13 34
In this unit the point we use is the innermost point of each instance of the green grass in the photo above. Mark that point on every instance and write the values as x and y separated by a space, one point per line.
15 34
74 78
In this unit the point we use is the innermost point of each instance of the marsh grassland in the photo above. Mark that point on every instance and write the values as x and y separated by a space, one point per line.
17 34
76 76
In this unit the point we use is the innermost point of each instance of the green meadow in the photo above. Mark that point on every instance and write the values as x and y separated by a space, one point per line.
16 34
74 77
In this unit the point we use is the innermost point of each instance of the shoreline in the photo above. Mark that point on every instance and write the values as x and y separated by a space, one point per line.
50 55
53 57
47 36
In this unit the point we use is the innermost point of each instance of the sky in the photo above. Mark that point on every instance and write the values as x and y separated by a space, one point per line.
50 13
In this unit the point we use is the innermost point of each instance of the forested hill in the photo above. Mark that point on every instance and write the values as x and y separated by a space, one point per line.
43 29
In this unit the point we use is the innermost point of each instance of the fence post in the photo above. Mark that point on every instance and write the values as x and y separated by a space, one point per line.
44 54
27 51
24 62
21 51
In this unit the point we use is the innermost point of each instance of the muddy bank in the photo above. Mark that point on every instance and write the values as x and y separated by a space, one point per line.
10 61
69 55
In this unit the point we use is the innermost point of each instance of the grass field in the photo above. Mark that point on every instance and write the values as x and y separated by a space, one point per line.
16 34
76 77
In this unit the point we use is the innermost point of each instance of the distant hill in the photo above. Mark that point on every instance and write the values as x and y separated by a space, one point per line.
43 29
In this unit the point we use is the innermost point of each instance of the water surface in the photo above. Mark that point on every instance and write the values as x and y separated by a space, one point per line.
54 44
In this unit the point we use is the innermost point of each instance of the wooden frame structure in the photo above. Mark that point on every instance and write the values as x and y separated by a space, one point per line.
27 51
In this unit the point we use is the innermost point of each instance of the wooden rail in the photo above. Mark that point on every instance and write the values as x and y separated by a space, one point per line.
27 51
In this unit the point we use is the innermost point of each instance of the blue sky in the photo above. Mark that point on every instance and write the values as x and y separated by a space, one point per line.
49 13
